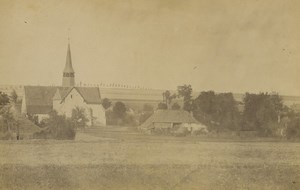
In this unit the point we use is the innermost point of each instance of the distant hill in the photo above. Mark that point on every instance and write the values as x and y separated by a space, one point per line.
136 98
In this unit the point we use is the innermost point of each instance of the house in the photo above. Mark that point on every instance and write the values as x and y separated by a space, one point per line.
171 120
39 101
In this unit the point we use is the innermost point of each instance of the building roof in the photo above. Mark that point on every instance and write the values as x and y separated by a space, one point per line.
170 116
68 66
91 95
39 99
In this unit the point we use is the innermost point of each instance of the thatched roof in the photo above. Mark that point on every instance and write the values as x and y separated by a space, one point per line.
39 99
169 116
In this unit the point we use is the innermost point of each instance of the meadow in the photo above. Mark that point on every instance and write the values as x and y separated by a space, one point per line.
124 159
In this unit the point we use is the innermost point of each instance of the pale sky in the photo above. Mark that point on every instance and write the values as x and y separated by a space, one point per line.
221 45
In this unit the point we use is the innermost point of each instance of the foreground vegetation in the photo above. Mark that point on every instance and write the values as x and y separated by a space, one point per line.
114 162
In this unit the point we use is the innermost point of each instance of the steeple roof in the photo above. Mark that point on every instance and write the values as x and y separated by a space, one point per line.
68 66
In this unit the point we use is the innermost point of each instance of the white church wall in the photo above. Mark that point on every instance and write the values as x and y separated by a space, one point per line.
74 99
98 114
23 108
57 106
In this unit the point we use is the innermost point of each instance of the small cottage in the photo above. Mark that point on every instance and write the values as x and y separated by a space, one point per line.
171 120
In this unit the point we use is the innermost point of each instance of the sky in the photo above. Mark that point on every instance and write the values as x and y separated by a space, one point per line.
225 46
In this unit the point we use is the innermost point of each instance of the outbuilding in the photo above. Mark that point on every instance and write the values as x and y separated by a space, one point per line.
172 120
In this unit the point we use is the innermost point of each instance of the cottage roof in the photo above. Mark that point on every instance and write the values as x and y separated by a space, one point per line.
39 99
170 116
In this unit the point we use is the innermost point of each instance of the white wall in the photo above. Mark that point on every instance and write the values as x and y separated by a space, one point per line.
23 108
74 99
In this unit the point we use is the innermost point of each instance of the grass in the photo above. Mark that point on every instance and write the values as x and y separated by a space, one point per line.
123 159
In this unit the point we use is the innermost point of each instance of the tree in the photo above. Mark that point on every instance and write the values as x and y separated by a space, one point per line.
262 111
106 103
4 99
119 110
293 128
185 91
162 106
14 97
217 110
57 127
175 106
78 117
148 108
5 113
167 97
8 119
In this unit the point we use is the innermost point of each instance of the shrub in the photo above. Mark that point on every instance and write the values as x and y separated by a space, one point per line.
293 129
110 119
130 120
181 132
57 127
79 118
6 135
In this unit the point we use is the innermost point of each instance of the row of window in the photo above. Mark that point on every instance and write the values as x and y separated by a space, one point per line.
68 74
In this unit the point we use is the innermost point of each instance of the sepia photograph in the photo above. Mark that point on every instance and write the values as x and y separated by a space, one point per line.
149 94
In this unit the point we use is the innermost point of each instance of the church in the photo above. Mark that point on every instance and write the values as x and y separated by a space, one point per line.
39 101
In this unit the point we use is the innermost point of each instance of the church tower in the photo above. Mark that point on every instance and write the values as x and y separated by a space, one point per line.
68 74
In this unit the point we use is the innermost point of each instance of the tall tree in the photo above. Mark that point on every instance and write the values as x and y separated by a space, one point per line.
106 103
14 96
261 111
119 110
175 106
217 110
185 91
162 106
168 97
4 99
8 118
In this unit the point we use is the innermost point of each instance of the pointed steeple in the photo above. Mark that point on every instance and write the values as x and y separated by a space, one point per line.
68 74
68 66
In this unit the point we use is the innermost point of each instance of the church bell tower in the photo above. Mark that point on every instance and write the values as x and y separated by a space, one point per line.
68 74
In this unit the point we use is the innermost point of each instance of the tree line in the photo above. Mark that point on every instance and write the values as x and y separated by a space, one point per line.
263 113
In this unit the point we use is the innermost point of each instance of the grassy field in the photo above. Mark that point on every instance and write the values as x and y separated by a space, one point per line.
119 158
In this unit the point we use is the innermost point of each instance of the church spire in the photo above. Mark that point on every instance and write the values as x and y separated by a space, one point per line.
68 74
69 67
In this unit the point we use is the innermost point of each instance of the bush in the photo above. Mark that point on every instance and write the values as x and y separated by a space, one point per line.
6 135
181 132
293 129
110 118
43 134
57 127
130 120
66 132
162 131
